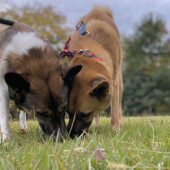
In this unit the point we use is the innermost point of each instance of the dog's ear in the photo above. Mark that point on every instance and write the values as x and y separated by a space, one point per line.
68 73
100 89
16 82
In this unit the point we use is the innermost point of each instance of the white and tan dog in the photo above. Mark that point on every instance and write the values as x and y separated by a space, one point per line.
36 76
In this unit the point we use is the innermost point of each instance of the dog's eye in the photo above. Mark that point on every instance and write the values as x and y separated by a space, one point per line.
85 115
61 108
44 114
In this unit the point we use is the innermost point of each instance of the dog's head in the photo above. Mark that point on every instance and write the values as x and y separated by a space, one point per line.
90 94
40 86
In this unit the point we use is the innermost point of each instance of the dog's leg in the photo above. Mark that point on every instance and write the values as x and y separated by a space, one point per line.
96 120
4 110
120 97
22 120
115 107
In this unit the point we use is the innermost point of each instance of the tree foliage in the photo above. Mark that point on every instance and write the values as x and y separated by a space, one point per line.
147 68
44 19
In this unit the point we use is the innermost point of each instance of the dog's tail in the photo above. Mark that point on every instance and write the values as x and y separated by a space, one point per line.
104 9
6 22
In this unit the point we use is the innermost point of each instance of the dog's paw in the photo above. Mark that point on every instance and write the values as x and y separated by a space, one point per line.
116 127
4 138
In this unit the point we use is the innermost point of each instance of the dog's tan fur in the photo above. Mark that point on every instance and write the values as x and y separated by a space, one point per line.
104 41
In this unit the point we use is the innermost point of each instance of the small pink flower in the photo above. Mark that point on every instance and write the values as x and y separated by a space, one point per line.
100 154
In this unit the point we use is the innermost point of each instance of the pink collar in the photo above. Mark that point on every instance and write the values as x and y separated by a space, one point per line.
72 53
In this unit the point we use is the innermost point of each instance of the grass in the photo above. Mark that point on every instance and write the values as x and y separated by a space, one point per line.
142 143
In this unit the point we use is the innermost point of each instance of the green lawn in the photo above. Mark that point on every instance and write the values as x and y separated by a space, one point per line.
142 143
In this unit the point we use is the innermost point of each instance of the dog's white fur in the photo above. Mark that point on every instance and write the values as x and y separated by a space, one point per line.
22 120
4 109
20 44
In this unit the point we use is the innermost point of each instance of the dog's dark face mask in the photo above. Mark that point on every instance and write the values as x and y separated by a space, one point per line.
79 123
47 99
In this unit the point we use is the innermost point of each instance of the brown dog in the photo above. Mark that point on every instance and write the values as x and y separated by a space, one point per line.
36 76
100 82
